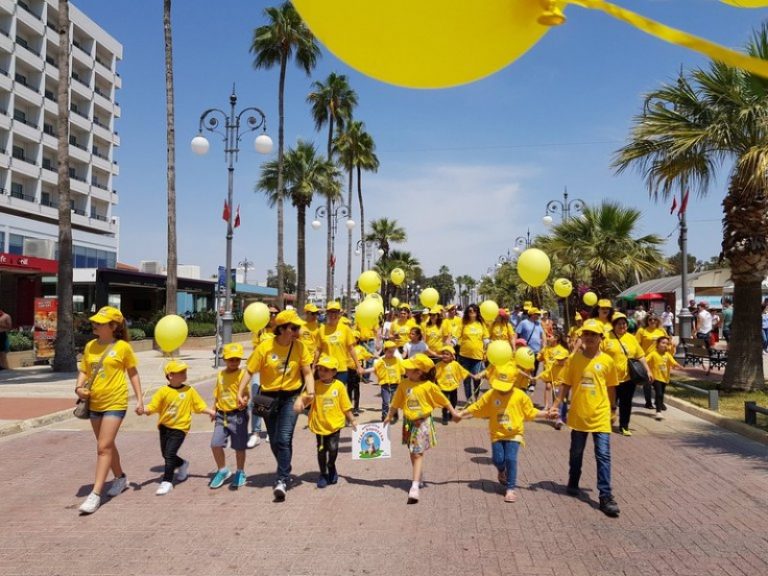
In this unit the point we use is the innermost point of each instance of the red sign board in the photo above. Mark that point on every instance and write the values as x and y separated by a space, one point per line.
46 312
19 262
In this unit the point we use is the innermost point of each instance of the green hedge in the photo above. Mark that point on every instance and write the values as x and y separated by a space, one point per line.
137 334
20 341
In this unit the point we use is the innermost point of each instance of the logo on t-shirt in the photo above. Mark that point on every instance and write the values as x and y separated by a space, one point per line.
334 393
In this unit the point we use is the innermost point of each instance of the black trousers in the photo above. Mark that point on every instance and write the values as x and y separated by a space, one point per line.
624 393
171 440
327 451
453 397
353 389
659 388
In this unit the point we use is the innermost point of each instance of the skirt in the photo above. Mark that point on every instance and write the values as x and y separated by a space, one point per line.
419 435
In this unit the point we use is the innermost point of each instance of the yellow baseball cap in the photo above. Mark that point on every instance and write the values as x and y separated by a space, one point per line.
174 366
436 309
288 317
593 325
504 377
328 362
107 314
618 316
560 354
389 344
404 307
333 305
233 350
420 362
448 348
532 311
311 308
604 303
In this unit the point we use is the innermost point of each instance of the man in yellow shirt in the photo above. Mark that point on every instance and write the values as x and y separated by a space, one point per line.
401 326
590 376
310 332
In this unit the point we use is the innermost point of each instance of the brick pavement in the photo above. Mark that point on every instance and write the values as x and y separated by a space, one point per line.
693 501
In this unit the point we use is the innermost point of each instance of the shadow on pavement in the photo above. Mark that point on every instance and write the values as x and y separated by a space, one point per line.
559 489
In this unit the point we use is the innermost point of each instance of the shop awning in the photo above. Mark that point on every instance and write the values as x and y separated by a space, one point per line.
27 264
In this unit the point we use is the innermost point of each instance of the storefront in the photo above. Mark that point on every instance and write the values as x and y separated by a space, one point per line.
22 279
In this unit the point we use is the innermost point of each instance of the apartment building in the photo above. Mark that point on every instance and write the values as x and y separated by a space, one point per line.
29 49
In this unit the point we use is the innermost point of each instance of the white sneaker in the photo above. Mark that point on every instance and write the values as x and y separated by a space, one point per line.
118 486
279 491
659 416
182 471
164 488
90 504
253 440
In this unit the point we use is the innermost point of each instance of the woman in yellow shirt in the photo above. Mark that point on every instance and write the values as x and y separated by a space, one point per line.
502 329
108 363
648 335
437 330
472 341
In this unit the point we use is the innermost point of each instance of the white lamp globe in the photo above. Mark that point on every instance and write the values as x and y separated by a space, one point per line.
263 144
547 220
380 252
357 251
200 145
350 224
316 224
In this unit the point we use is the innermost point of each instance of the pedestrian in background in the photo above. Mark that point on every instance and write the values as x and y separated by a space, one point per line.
6 323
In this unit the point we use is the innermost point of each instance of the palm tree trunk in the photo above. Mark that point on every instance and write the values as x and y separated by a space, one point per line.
65 359
301 281
362 219
280 166
171 281
349 242
329 259
744 370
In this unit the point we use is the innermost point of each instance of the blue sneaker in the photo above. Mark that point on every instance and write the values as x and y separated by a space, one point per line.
322 482
239 479
333 477
220 477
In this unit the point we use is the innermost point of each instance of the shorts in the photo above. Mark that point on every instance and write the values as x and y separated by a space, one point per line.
419 435
232 425
5 342
110 413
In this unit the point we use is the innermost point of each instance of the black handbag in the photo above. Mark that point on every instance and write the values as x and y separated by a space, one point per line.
637 372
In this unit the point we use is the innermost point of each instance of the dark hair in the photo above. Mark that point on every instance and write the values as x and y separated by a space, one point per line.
438 320
427 376
465 317
120 331
418 332
595 313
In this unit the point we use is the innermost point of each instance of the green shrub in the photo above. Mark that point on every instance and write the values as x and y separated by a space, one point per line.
20 340
201 328
137 334
239 328
145 326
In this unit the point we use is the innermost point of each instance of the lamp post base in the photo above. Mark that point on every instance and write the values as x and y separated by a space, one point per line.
226 328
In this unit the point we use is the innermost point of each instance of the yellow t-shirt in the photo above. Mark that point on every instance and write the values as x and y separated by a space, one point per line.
436 336
225 392
331 401
505 412
553 373
399 331
589 379
110 386
611 346
270 359
418 399
174 406
261 336
647 338
661 365
388 370
366 333
549 351
471 340
335 342
362 355
450 375
499 331
456 325
310 336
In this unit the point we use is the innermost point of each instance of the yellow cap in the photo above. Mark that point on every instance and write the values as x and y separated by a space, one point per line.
532 311
420 362
311 308
604 303
233 350
404 307
504 377
592 325
618 316
328 362
389 344
436 309
174 366
107 314
448 348
288 317
333 305
560 354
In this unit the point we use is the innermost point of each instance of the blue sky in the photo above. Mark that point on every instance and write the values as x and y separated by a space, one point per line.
464 170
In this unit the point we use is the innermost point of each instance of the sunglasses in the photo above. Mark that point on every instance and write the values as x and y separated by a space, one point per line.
294 328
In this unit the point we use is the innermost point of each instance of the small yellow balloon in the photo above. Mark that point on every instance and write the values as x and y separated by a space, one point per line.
170 332
369 281
489 310
256 316
590 298
525 358
563 287
397 276
367 313
395 301
429 297
378 300
499 352
747 3
533 266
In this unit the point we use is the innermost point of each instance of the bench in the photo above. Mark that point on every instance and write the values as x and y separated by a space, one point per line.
697 351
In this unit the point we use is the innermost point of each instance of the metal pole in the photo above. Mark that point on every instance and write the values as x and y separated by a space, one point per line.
684 317
231 136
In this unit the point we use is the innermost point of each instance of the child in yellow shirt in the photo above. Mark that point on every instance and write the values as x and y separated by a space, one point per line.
389 372
552 376
449 374
505 407
174 405
329 408
661 362
353 376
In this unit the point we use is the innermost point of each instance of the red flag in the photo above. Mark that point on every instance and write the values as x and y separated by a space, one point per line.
674 205
237 216
225 215
683 204
332 261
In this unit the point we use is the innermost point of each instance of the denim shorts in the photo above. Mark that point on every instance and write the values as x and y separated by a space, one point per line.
232 425
111 413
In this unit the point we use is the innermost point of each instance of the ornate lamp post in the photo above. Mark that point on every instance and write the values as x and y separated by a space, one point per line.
366 247
211 119
340 211
522 242
565 207
245 264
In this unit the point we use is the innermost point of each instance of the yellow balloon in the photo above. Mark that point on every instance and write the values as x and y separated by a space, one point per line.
499 352
747 3
367 313
533 266
256 316
563 287
489 310
376 298
425 43
525 358
590 298
397 276
429 297
170 332
369 281
395 301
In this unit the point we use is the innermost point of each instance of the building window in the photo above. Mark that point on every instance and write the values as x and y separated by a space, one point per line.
15 244
2 241
80 260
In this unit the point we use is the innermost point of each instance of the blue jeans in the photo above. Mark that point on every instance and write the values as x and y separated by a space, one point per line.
281 423
387 391
473 367
765 338
504 456
255 420
342 377
602 442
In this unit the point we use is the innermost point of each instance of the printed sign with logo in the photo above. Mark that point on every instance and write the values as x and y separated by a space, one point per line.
46 312
371 442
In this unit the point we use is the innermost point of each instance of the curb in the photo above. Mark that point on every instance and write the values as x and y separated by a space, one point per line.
741 428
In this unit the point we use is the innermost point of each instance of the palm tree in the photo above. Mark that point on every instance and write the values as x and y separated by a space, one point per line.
285 36
171 281
686 131
383 231
332 103
305 172
470 284
65 359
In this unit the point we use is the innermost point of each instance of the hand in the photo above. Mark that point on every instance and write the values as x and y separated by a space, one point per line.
139 408
386 421
242 401
82 393
553 411
456 418
298 405
353 423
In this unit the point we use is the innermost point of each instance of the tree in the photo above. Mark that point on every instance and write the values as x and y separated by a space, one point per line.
686 131
285 36
675 263
385 231
332 103
289 276
65 359
305 172
171 281
443 283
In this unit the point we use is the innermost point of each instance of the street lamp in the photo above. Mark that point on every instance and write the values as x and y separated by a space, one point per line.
365 247
245 264
341 211
522 242
210 120
565 207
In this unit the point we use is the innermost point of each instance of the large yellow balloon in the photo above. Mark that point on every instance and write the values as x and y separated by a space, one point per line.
425 43
489 310
170 332
369 281
378 300
533 266
525 358
499 352
429 297
395 301
397 276
256 316
563 287
590 298
367 313
747 3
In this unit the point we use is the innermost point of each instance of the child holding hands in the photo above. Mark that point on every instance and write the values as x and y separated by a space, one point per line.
660 361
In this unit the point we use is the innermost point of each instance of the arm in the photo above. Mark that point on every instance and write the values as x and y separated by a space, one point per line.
301 402
309 381
565 389
351 419
242 397
80 389
353 355
133 376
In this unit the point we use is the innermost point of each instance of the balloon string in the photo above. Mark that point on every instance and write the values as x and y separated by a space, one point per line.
678 37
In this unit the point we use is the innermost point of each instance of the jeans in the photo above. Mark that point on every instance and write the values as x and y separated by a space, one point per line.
602 442
387 391
564 410
255 420
765 338
504 456
342 376
171 440
453 398
281 423
473 366
624 393
353 389
327 451
659 388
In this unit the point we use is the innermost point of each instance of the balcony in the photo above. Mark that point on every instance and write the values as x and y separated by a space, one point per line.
32 20
78 211
6 44
22 196
82 89
6 84
98 184
80 120
79 153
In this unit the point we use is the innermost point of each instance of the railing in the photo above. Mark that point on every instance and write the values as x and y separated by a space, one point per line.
99 185
100 155
22 196
49 203
4 72
78 211
80 80
751 410
51 96
47 164
51 60
24 121
77 44
101 92
52 25
713 397
24 44
78 145
26 7
81 114
76 177
99 217
49 129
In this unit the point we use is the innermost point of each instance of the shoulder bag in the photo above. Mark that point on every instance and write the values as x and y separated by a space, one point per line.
637 372
83 406
263 404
